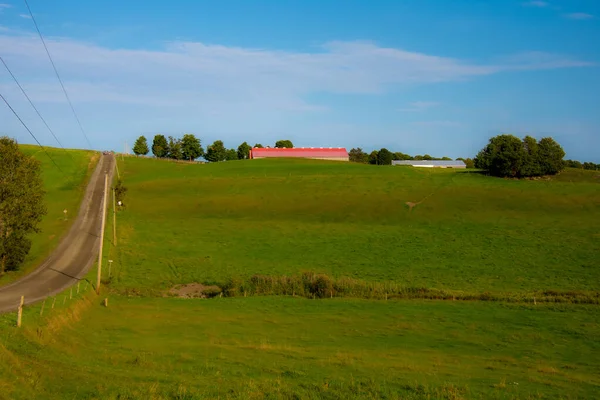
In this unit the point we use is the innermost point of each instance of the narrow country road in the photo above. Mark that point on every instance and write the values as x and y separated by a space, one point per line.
75 254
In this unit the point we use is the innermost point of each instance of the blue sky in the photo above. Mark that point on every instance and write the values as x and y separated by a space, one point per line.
417 76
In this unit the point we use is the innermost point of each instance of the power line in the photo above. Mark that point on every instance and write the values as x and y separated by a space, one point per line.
31 133
57 75
32 105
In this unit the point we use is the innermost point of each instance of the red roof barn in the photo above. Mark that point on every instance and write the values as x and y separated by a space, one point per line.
319 153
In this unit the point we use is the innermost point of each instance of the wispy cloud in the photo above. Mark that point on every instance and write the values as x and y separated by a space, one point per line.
4 5
538 3
26 16
579 16
198 76
418 106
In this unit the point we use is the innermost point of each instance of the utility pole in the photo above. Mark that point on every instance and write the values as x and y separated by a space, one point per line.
102 234
114 217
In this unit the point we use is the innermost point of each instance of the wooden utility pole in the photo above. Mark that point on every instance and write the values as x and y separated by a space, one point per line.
20 312
102 234
114 217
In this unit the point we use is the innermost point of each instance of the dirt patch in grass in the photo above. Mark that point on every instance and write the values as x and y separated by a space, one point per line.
194 290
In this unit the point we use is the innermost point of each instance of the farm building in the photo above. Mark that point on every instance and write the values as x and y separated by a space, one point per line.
431 163
317 153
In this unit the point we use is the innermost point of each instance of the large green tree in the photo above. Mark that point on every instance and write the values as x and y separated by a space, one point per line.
259 146
508 156
243 151
231 155
160 147
384 157
373 157
284 144
503 156
140 148
21 203
358 155
191 147
216 152
550 156
531 158
175 152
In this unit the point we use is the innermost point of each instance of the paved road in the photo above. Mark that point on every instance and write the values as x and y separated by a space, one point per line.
74 255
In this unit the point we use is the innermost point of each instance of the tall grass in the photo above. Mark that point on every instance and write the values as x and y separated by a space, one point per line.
314 285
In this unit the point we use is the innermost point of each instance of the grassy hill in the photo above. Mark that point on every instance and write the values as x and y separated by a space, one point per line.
208 223
286 348
227 222
64 191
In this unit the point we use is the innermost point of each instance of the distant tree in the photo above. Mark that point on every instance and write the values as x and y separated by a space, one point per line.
418 157
469 163
160 147
284 144
384 157
446 159
503 156
374 157
573 164
191 147
216 152
358 155
550 156
427 157
531 165
259 146
231 155
140 148
175 152
401 156
508 156
590 166
21 203
243 151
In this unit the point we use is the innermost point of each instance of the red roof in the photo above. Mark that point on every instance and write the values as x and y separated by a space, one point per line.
301 152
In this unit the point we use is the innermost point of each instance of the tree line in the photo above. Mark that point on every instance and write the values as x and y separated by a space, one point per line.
385 157
585 165
189 148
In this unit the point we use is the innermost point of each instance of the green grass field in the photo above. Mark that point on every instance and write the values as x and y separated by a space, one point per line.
188 223
206 223
63 191
264 347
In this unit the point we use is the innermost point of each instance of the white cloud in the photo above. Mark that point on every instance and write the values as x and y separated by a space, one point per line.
579 16
4 5
538 3
26 16
420 106
213 78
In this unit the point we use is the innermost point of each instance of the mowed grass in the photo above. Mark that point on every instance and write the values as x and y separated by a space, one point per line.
206 223
265 347
64 191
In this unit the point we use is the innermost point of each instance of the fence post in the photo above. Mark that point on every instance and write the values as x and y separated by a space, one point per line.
20 312
42 309
54 302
